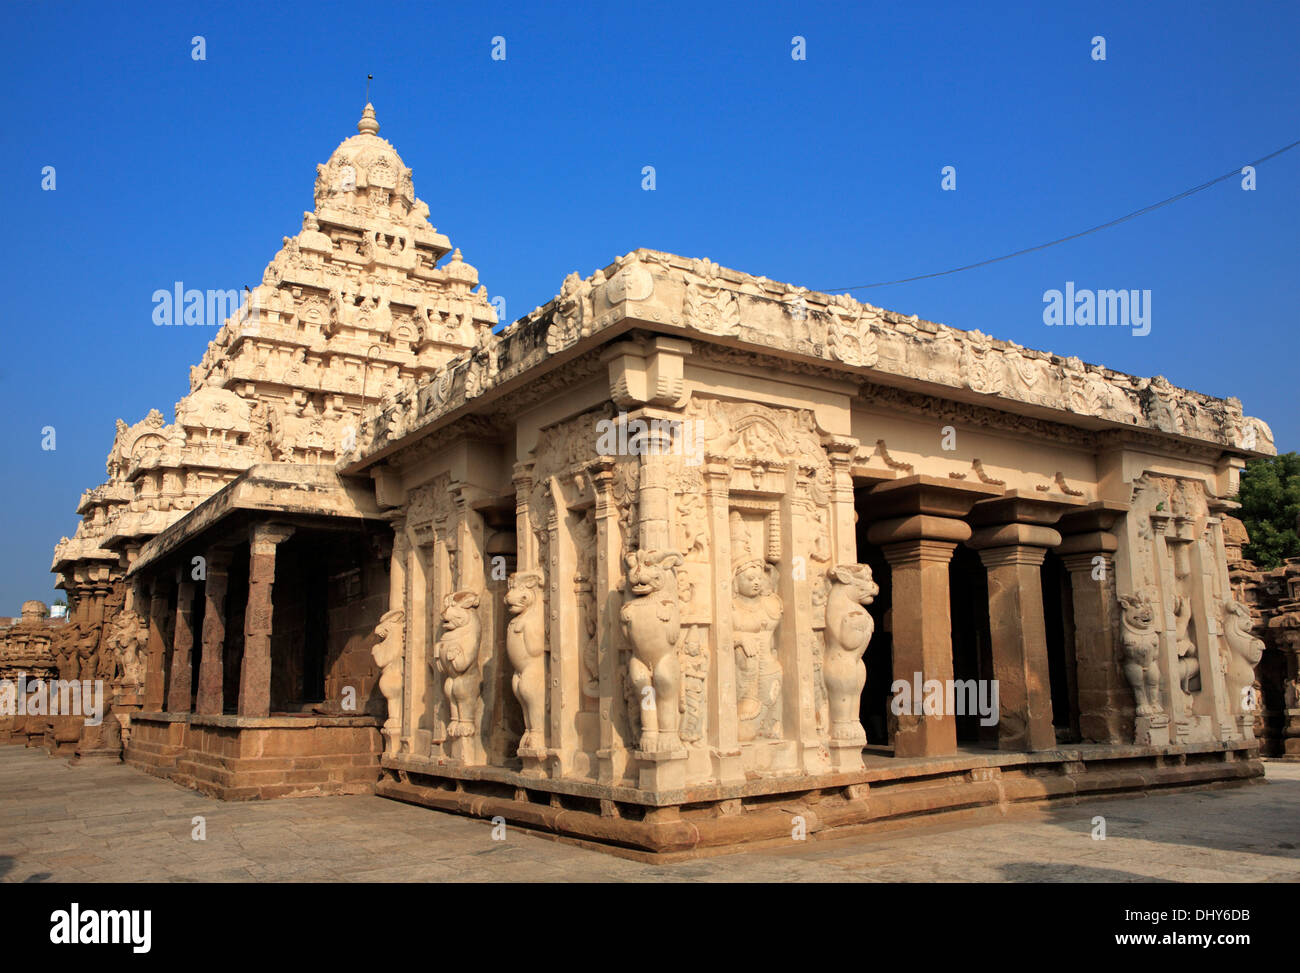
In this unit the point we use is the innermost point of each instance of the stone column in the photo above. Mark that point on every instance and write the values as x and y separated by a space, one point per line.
210 696
916 520
178 695
156 652
1105 700
1012 539
255 673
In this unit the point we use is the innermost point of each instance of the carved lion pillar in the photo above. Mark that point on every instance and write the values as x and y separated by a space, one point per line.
1175 701
179 694
616 740
155 654
1105 699
255 673
211 693
656 667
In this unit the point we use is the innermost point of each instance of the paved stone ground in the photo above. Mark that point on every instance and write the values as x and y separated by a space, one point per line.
113 823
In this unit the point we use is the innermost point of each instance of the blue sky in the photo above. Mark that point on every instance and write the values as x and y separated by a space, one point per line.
823 172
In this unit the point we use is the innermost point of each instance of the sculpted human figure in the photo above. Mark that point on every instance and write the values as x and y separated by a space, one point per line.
129 638
1244 652
1141 652
87 643
457 656
652 624
1189 666
755 613
389 653
849 627
526 647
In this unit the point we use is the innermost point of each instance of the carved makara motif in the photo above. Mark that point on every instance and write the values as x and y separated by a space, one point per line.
456 655
850 336
980 365
1141 643
526 648
709 306
848 632
389 653
651 620
756 612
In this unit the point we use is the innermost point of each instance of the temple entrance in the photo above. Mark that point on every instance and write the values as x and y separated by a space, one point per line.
972 647
1058 623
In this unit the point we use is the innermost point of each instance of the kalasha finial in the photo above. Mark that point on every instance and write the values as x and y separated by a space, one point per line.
368 125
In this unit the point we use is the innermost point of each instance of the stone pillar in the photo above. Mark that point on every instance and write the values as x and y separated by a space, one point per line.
210 697
1012 539
1105 699
178 695
155 678
255 673
916 521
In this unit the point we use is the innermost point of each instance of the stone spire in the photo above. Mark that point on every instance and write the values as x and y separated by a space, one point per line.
369 125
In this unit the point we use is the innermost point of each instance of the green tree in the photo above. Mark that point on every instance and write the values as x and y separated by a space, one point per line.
1270 504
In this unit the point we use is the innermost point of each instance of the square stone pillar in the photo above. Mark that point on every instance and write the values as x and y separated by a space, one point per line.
1012 540
155 678
255 673
1105 699
178 695
916 521
1019 637
210 696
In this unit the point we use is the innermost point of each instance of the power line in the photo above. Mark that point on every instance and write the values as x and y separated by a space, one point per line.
1072 236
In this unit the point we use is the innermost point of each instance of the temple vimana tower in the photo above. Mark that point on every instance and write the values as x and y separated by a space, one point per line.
670 561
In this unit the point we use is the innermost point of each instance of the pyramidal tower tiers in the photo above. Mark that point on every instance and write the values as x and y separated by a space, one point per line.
352 307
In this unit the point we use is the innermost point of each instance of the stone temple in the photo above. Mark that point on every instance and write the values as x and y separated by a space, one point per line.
678 557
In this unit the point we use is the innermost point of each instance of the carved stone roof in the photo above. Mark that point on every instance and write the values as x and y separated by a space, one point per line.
744 316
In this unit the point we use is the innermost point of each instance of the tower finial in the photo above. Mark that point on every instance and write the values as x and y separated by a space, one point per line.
369 125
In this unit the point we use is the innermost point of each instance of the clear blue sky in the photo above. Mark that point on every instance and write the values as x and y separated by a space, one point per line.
823 172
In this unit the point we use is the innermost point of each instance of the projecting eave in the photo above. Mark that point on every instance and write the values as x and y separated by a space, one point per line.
785 327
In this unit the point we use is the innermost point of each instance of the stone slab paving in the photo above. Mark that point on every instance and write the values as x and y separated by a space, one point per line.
113 823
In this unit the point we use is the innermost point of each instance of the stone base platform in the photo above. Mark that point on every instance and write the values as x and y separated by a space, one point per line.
242 758
889 794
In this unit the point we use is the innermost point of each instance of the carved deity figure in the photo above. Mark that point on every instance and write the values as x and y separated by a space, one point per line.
755 613
1141 652
1189 666
849 627
1244 652
456 654
526 647
652 623
127 639
388 653
86 653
